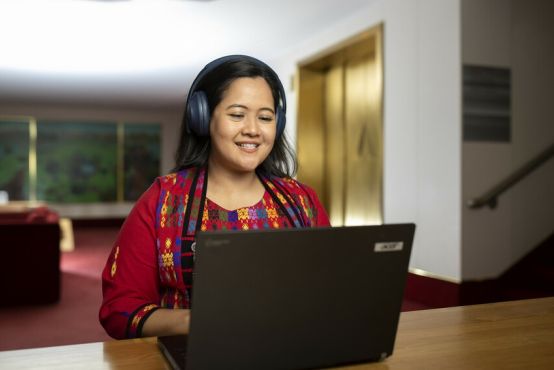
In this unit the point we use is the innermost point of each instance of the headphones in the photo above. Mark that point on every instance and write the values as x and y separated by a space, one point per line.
197 110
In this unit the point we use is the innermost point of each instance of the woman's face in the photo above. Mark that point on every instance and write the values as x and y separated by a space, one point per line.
243 126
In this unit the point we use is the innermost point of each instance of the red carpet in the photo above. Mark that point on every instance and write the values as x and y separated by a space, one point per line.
75 318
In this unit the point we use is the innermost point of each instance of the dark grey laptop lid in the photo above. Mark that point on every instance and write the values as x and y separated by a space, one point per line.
293 299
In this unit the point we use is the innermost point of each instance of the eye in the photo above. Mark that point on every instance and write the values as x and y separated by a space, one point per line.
266 118
236 116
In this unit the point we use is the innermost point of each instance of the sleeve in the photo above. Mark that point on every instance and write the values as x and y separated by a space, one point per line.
130 280
321 217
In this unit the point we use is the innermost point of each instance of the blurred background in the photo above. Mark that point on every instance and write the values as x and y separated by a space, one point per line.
427 111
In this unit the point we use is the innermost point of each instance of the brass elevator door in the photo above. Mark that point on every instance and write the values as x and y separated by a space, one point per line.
340 135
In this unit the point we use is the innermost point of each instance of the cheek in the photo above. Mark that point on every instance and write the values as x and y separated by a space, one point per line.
218 131
270 135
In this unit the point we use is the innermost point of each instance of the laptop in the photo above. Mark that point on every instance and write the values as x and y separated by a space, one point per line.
294 298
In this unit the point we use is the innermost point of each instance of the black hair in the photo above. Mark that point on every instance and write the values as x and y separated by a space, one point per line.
194 150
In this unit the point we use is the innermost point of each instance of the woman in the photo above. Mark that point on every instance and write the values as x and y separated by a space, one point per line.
233 172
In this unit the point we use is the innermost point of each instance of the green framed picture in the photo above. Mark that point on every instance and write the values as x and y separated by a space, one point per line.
76 161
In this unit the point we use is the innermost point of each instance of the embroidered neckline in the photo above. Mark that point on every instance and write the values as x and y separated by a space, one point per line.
256 205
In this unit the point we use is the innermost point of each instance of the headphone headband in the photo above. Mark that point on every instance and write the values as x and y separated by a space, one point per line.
197 110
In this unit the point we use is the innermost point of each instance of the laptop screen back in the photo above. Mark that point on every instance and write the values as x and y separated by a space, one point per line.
301 298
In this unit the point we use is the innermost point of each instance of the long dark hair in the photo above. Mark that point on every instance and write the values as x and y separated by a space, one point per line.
194 150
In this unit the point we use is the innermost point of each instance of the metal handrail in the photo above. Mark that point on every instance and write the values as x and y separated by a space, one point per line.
490 198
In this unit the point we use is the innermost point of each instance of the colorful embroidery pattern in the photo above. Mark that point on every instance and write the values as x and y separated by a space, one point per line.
138 319
172 298
114 263
261 215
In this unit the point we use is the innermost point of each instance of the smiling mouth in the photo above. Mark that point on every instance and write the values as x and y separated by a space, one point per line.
248 146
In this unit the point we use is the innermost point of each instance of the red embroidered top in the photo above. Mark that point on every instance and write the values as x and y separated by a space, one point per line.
151 263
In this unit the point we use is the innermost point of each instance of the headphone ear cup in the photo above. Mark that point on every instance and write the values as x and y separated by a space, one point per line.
198 114
281 121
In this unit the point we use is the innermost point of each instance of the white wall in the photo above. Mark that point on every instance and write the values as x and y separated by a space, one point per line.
170 125
518 35
422 118
438 145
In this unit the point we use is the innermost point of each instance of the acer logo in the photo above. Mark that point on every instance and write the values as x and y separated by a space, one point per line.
389 247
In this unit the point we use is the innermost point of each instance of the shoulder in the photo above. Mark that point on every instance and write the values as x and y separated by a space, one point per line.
172 183
295 186
307 198
176 182
297 190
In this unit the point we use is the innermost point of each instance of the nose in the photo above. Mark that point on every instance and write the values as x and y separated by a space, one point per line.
251 127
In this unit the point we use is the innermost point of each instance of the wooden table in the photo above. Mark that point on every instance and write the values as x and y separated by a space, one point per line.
508 335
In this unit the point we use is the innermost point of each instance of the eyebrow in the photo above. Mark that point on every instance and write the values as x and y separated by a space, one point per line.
245 107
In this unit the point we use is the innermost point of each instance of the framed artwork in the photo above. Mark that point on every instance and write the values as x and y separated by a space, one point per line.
76 161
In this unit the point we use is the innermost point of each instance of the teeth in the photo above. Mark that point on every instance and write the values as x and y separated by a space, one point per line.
248 146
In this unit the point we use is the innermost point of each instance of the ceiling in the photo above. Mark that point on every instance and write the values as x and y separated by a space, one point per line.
142 52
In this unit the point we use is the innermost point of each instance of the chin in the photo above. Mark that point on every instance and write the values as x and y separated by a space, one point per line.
247 167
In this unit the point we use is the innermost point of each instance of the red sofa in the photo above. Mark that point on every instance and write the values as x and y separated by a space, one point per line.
30 244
